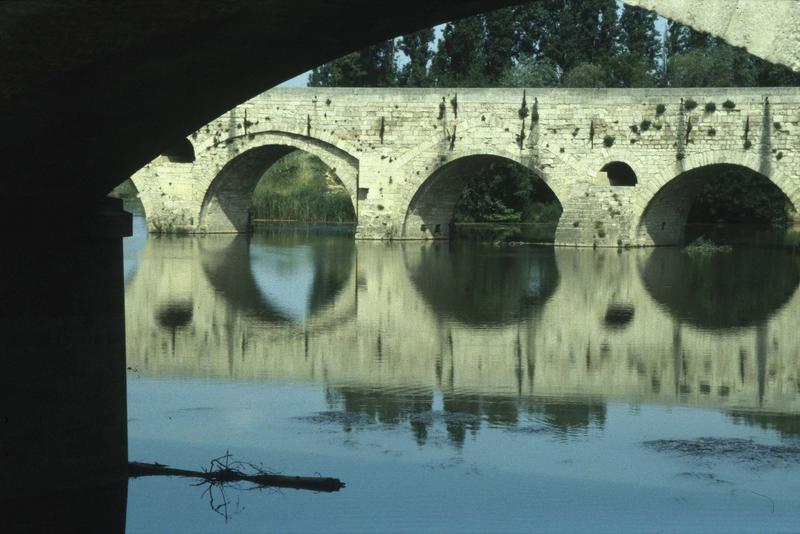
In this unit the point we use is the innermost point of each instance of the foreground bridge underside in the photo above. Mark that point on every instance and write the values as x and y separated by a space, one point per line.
109 87
624 165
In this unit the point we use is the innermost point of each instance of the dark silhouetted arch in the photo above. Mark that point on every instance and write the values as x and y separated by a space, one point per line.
620 174
180 152
664 219
433 206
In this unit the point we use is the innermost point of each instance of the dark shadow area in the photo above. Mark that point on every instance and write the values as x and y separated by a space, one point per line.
620 174
87 509
618 316
738 206
788 426
180 152
481 189
502 288
720 291
723 203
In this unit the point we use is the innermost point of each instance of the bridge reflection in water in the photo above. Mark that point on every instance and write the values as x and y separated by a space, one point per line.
553 334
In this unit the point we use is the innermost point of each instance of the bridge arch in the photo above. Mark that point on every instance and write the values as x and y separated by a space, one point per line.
227 177
429 209
662 209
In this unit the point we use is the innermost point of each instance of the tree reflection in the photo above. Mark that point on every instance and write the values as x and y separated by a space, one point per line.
787 425
462 414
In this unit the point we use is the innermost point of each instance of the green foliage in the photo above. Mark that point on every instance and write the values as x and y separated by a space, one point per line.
704 247
629 70
689 105
374 66
645 125
729 105
586 75
529 72
608 141
719 66
660 109
638 36
300 187
503 190
460 57
711 107
417 48
738 195
550 43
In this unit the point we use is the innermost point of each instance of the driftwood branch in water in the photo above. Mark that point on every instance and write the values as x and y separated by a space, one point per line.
226 474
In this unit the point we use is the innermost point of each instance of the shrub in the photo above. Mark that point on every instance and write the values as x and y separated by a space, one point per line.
712 132
776 125
645 125
711 107
689 104
660 109
728 104
608 141
634 128
703 247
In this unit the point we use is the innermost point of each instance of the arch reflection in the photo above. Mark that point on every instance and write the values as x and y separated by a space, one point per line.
278 277
721 291
503 287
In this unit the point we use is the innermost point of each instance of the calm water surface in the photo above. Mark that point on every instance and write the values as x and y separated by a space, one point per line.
465 387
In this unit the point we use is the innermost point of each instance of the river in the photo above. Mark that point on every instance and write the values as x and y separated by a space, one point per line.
461 386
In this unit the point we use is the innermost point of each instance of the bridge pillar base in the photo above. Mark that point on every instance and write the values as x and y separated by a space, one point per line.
63 422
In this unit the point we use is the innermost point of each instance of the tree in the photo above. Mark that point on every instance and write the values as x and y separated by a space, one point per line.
567 33
346 71
374 66
459 58
638 36
529 72
416 46
499 40
720 66
630 70
586 75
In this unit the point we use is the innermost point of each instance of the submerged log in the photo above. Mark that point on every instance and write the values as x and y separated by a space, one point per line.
224 475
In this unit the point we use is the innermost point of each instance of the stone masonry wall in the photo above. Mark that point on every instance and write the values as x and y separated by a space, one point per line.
385 143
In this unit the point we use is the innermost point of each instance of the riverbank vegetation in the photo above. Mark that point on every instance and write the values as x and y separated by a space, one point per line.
300 187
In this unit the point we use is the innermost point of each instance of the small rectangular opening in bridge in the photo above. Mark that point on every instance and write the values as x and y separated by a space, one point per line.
362 193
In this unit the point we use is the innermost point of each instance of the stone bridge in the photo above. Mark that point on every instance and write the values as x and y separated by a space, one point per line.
623 164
